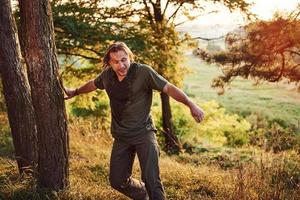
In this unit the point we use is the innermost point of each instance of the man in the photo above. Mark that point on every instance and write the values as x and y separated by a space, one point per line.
129 86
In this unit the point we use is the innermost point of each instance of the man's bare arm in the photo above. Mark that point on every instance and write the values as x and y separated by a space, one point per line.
180 96
86 88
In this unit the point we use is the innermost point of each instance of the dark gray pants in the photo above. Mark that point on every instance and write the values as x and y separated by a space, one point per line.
121 162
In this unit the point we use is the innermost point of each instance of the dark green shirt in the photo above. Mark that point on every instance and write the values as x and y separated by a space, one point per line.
131 99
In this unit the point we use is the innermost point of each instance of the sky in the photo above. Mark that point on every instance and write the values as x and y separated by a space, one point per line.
262 8
265 9
224 21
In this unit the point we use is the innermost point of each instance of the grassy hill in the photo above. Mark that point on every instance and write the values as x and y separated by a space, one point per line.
276 101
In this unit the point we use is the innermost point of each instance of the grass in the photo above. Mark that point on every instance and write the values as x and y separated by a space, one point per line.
214 174
272 101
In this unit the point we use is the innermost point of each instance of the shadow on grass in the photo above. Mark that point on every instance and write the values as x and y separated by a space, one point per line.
205 191
100 173
23 187
30 193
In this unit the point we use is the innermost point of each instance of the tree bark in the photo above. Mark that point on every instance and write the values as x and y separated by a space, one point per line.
171 141
16 91
38 47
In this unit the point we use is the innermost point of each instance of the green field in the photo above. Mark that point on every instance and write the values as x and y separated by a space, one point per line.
271 100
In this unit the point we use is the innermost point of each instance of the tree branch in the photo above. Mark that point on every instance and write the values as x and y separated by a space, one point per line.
70 65
294 52
175 12
209 39
281 70
92 50
195 17
149 13
77 54
281 48
292 70
165 9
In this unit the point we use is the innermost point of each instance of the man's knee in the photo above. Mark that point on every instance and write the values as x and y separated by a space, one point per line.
118 183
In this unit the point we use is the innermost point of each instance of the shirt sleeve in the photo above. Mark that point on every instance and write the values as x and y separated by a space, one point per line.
99 81
156 81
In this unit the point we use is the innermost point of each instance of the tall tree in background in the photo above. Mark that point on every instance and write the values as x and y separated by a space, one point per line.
261 50
84 28
17 92
163 48
39 51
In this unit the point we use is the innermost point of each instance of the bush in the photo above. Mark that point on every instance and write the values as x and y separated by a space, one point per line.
273 135
92 105
280 139
221 128
217 129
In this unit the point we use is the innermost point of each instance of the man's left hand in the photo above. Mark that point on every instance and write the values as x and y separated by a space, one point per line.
197 112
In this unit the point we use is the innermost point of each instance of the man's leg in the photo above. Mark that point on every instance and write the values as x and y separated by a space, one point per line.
121 162
148 154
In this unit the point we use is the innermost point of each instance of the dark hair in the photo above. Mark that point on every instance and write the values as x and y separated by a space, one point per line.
115 47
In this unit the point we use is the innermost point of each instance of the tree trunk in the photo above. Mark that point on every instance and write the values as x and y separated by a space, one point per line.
38 47
171 141
17 92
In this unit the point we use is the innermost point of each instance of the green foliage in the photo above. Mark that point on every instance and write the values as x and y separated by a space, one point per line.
163 52
217 129
81 29
91 105
224 128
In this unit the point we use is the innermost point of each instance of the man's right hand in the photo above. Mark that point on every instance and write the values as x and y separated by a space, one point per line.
86 88
70 93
